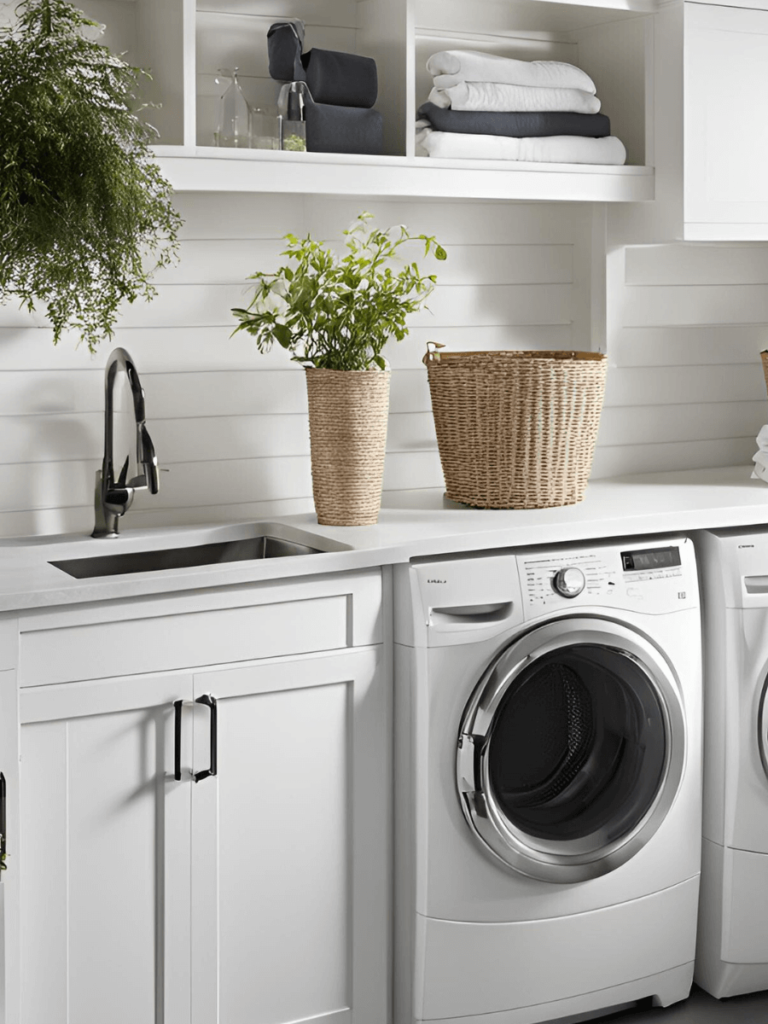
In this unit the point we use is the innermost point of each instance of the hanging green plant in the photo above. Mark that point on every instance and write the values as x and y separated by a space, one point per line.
85 214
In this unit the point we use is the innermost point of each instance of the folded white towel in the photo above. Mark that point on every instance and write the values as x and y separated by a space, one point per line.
760 458
555 149
497 97
760 470
451 67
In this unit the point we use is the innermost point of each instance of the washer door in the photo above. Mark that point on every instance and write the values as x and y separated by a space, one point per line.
571 749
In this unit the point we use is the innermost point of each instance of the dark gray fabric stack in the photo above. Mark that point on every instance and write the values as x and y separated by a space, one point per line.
343 87
522 125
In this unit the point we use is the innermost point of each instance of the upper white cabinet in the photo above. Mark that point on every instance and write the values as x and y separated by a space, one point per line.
707 104
726 111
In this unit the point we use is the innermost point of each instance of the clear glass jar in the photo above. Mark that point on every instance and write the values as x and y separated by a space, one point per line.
233 127
290 106
265 128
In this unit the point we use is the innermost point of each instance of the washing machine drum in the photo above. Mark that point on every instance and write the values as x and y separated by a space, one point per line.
571 750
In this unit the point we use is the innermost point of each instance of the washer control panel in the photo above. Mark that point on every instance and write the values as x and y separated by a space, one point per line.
653 563
607 575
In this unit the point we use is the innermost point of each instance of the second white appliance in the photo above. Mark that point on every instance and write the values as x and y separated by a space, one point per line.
732 955
548 782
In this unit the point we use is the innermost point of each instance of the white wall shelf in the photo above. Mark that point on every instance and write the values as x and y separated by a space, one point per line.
204 169
183 42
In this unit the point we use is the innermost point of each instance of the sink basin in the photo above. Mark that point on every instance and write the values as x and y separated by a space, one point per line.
181 558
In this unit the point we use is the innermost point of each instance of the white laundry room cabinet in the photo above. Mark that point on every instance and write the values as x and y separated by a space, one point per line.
209 842
726 109
707 102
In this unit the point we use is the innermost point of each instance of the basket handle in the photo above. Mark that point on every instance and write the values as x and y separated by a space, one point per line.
432 355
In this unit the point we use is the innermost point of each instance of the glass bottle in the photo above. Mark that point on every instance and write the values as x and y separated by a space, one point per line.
233 127
293 127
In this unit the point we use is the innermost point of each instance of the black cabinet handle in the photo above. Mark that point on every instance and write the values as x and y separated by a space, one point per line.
210 702
177 739
3 865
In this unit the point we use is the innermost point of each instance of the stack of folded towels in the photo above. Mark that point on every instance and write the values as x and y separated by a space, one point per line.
487 107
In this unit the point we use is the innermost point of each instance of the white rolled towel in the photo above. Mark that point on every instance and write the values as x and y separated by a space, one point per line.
451 67
762 439
499 98
554 149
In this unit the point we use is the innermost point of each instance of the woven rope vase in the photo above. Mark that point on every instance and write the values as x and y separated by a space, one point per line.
348 411
516 429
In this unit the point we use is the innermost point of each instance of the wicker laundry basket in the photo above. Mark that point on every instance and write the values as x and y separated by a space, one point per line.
764 357
516 429
348 412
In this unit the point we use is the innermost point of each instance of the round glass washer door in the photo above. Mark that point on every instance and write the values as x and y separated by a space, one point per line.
571 749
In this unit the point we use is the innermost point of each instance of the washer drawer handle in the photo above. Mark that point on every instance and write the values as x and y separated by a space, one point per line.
471 614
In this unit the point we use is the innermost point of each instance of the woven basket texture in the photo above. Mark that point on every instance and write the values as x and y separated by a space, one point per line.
764 357
348 411
517 429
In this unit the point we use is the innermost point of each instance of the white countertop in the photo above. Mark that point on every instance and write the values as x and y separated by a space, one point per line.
427 524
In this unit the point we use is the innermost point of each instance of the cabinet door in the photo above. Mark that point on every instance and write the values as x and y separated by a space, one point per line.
104 854
291 844
726 111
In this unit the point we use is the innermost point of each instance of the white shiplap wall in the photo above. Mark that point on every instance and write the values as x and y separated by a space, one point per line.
229 423
685 327
686 324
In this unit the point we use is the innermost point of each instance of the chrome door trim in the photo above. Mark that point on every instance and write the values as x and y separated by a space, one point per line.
568 861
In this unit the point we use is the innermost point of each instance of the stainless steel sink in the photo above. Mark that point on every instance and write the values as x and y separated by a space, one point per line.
181 558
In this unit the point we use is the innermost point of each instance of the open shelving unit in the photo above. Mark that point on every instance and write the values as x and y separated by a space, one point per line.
184 42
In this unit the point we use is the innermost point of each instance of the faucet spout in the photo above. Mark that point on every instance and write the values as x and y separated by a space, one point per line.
113 497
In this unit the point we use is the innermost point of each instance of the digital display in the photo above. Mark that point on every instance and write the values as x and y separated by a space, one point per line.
651 558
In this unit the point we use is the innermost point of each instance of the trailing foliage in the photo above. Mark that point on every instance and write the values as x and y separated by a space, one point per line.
82 204
337 313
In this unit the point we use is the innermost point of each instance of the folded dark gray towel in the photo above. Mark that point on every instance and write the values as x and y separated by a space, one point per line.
336 129
344 79
515 125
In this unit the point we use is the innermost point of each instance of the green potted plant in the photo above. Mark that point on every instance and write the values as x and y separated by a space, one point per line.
335 314
83 205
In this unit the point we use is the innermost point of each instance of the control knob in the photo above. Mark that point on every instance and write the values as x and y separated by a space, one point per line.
569 582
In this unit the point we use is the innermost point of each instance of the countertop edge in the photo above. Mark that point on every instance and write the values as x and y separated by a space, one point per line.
674 503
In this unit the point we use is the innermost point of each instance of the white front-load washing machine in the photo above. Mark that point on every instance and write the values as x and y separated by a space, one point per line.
732 953
548 781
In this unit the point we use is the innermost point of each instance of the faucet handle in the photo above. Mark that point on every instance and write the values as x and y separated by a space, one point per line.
121 480
148 460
